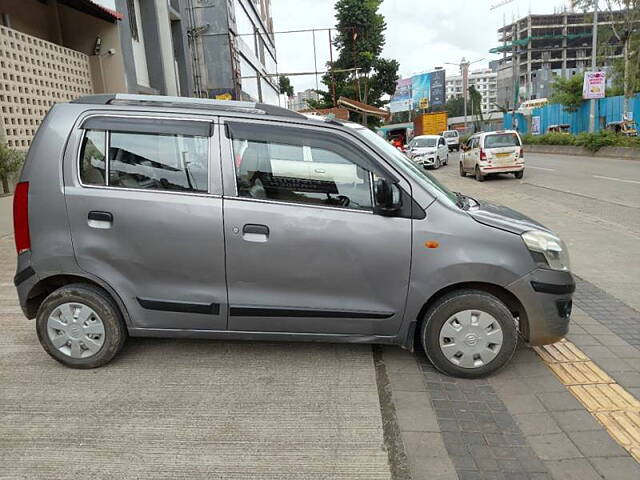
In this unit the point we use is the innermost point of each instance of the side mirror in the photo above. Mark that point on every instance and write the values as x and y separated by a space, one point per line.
387 197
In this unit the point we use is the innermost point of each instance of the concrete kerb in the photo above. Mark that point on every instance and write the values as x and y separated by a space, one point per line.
621 153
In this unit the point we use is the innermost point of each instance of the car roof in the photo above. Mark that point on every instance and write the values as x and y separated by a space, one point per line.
189 103
427 136
493 132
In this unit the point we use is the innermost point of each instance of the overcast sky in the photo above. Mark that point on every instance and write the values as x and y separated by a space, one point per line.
421 34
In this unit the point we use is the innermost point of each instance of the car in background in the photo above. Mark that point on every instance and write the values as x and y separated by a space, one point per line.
429 151
452 138
488 153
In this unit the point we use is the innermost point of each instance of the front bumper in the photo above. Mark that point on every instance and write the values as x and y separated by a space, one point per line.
546 297
425 160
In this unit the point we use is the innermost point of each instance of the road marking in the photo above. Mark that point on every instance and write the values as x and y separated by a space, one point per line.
616 179
541 168
616 409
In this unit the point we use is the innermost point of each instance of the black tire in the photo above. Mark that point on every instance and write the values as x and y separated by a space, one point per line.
115 331
519 174
446 160
458 301
462 172
437 163
479 176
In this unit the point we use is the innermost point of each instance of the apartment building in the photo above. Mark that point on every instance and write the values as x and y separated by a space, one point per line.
299 100
484 80
536 48
232 48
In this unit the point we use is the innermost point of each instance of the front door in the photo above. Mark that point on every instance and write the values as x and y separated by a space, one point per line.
305 253
145 211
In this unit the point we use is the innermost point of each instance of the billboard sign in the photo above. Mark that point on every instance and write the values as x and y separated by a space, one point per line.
419 90
438 91
593 85
401 100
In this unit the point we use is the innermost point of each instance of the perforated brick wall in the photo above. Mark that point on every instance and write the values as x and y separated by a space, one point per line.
35 74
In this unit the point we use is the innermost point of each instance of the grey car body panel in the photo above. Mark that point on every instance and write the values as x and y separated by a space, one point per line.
170 248
504 218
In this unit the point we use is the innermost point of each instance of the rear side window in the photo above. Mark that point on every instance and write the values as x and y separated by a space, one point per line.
158 162
92 158
147 161
499 140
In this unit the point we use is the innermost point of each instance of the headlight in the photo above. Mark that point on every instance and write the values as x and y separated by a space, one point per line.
546 247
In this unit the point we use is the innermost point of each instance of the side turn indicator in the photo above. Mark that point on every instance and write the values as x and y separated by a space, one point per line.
431 244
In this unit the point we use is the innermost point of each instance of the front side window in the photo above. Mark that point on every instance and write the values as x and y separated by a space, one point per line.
300 173
92 158
158 161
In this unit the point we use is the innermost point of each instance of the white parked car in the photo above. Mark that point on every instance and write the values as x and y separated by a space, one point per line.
453 139
429 151
492 152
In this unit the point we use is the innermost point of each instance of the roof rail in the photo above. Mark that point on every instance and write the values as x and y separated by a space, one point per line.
187 102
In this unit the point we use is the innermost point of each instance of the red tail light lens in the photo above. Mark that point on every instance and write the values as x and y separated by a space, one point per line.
483 155
21 217
521 152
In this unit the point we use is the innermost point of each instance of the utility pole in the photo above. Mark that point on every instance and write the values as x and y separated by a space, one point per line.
594 52
464 70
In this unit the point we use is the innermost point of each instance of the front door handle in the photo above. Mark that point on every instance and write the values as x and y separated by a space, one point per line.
252 232
100 220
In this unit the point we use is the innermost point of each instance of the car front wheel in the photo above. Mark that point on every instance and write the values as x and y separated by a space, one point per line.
462 172
80 326
469 334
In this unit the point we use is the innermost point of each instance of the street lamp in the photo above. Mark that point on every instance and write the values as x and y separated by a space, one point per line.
464 71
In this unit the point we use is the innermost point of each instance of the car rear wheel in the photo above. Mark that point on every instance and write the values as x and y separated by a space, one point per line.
479 176
469 334
80 326
519 174
462 172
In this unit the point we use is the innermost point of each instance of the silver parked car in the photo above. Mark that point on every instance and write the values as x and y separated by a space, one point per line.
176 217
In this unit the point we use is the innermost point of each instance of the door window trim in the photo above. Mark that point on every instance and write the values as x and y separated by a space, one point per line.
210 145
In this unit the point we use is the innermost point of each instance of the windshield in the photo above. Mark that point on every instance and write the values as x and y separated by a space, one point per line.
407 166
450 134
501 140
424 142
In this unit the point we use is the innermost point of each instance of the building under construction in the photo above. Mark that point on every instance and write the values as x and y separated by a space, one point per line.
536 48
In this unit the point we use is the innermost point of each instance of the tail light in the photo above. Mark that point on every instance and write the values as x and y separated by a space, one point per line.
21 217
483 155
521 152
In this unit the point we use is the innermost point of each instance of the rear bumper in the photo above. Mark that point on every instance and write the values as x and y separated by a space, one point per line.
24 280
546 296
502 169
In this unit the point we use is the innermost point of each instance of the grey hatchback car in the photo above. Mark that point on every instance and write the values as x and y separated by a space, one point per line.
176 217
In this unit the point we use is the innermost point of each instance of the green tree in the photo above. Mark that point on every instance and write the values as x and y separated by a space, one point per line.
455 106
359 42
10 162
567 92
284 84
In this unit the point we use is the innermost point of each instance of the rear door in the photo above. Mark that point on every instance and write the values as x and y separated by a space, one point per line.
145 209
310 256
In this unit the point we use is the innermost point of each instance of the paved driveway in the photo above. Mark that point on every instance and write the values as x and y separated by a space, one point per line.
186 409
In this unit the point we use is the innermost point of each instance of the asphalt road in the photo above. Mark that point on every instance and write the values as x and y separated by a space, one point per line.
593 203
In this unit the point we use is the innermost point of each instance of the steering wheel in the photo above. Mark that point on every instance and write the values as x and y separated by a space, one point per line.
343 200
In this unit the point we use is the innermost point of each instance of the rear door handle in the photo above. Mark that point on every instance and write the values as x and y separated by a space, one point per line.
257 229
252 232
100 220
